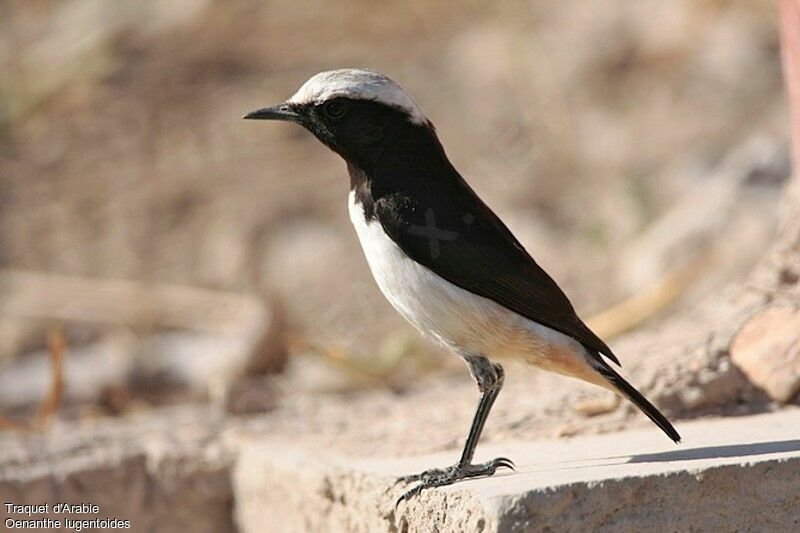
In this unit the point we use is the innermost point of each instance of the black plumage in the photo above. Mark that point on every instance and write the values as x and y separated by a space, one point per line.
414 180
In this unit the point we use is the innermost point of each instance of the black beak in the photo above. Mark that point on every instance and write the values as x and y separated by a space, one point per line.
275 112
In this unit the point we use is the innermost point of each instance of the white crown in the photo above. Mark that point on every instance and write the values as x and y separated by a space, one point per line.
358 84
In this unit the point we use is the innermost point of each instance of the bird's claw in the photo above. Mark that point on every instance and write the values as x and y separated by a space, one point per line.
440 477
506 462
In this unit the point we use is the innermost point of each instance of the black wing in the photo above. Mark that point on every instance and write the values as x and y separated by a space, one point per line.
464 242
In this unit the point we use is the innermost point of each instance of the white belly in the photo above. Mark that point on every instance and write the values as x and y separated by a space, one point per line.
466 322
432 304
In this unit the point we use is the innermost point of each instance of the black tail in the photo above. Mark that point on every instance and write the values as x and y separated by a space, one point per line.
640 401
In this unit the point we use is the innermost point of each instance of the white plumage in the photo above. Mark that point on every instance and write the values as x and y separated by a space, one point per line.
358 84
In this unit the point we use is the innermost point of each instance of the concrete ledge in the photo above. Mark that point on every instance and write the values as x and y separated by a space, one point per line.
731 474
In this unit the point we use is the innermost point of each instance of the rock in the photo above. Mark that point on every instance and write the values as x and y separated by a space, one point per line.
767 350
165 473
189 469
722 479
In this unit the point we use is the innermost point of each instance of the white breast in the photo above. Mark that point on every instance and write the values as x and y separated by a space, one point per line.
460 319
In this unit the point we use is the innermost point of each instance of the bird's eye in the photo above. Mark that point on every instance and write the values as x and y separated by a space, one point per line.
335 108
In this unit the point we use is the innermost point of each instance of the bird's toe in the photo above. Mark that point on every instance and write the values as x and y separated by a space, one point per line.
438 477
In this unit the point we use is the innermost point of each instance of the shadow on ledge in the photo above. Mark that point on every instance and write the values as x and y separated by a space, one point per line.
714 452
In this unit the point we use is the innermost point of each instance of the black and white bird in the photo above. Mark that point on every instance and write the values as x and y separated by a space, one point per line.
441 256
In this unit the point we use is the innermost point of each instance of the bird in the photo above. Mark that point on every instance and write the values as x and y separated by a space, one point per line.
441 257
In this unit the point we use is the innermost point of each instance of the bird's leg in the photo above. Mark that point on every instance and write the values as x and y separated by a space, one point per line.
490 378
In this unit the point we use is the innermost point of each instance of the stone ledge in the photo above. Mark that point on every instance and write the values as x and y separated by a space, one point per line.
165 473
734 473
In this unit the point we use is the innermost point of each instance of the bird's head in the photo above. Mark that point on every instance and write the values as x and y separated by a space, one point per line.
352 111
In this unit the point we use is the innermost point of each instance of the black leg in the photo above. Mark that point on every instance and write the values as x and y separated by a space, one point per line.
488 397
490 378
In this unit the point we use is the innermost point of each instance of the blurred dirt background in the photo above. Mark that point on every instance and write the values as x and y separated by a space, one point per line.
636 147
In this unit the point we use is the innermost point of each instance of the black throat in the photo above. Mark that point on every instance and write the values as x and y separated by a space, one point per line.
411 170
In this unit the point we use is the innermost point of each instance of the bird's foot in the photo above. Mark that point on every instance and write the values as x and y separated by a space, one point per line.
439 477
